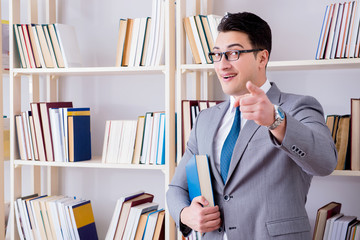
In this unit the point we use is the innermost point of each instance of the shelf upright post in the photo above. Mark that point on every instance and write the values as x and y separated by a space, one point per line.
34 88
2 194
15 108
51 96
170 228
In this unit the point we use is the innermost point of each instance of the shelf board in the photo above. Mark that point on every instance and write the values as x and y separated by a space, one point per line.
345 173
93 163
289 65
88 71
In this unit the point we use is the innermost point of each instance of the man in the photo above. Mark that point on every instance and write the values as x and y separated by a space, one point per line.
283 142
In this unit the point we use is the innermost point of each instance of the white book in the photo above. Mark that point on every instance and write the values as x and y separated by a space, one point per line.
154 137
134 41
160 42
341 43
69 45
350 29
140 42
150 225
18 221
322 32
355 30
213 23
106 141
41 57
153 31
160 155
332 30
56 134
337 31
127 141
329 226
51 48
27 137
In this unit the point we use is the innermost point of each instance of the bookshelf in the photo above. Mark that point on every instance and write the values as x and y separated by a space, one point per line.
49 79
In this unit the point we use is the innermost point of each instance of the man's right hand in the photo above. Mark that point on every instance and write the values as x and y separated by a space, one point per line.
200 217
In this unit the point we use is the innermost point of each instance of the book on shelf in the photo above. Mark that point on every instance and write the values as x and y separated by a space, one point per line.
54 217
116 214
199 178
44 48
342 142
134 217
36 115
34 48
127 42
149 119
120 41
46 128
20 134
56 45
339 32
29 50
138 139
203 38
141 225
151 224
79 134
324 213
355 134
50 45
125 210
19 47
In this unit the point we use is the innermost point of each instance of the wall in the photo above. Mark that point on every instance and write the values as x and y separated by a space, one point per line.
296 26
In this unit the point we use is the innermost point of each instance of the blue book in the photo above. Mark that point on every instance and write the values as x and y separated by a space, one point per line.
79 134
199 178
84 219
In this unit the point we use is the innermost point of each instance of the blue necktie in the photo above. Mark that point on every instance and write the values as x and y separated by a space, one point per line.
228 147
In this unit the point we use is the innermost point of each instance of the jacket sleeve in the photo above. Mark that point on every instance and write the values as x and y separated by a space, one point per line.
308 140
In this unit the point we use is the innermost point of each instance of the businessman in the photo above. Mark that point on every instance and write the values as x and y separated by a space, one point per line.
264 146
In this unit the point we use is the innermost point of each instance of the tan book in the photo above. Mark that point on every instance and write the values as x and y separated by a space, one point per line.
159 232
127 42
191 38
50 45
141 225
34 48
355 134
20 47
23 45
203 39
28 45
121 41
342 141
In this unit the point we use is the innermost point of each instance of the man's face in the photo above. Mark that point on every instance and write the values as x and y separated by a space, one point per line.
233 75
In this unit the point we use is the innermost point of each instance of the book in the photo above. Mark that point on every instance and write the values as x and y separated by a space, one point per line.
204 41
144 158
138 140
24 47
127 42
159 231
69 45
134 217
134 41
79 134
45 50
116 214
199 178
160 151
46 127
330 225
57 134
35 109
151 224
332 123
120 42
342 142
146 42
50 45
186 120
355 133
126 206
191 39
28 45
141 225
85 221
56 45
324 213
20 133
34 47
19 47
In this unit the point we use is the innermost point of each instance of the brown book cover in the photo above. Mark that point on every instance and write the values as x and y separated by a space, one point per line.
342 142
121 41
355 134
191 38
127 43
322 215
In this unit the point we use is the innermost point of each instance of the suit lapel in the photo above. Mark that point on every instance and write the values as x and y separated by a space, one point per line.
248 131
219 111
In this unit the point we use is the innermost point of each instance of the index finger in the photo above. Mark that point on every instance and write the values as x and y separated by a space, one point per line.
253 89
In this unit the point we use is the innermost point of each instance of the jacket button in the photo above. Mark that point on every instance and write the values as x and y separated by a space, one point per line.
226 198
220 230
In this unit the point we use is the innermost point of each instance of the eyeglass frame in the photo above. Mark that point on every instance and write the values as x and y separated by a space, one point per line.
210 54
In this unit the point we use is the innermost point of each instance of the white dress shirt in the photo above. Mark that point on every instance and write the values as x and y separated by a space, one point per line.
225 127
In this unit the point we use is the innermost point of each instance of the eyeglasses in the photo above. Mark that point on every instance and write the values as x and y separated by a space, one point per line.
231 55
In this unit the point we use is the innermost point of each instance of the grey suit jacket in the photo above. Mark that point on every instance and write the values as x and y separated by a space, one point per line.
265 194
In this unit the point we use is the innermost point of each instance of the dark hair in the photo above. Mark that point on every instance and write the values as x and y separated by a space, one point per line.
256 28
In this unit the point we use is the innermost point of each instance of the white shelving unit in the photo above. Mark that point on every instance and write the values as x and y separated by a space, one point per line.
54 75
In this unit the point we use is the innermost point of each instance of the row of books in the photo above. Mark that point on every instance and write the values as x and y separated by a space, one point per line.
54 131
339 37
201 31
345 130
47 45
54 217
141 40
139 141
332 224
136 216
189 111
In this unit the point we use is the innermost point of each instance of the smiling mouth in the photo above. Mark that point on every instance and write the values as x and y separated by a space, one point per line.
229 76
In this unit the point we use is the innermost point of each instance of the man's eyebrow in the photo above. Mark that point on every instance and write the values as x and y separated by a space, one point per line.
231 45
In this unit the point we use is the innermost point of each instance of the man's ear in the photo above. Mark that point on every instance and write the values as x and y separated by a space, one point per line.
263 57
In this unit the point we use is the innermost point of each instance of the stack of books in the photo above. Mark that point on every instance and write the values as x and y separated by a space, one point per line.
189 110
47 45
345 130
54 131
339 37
141 40
136 216
139 141
201 32
54 217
